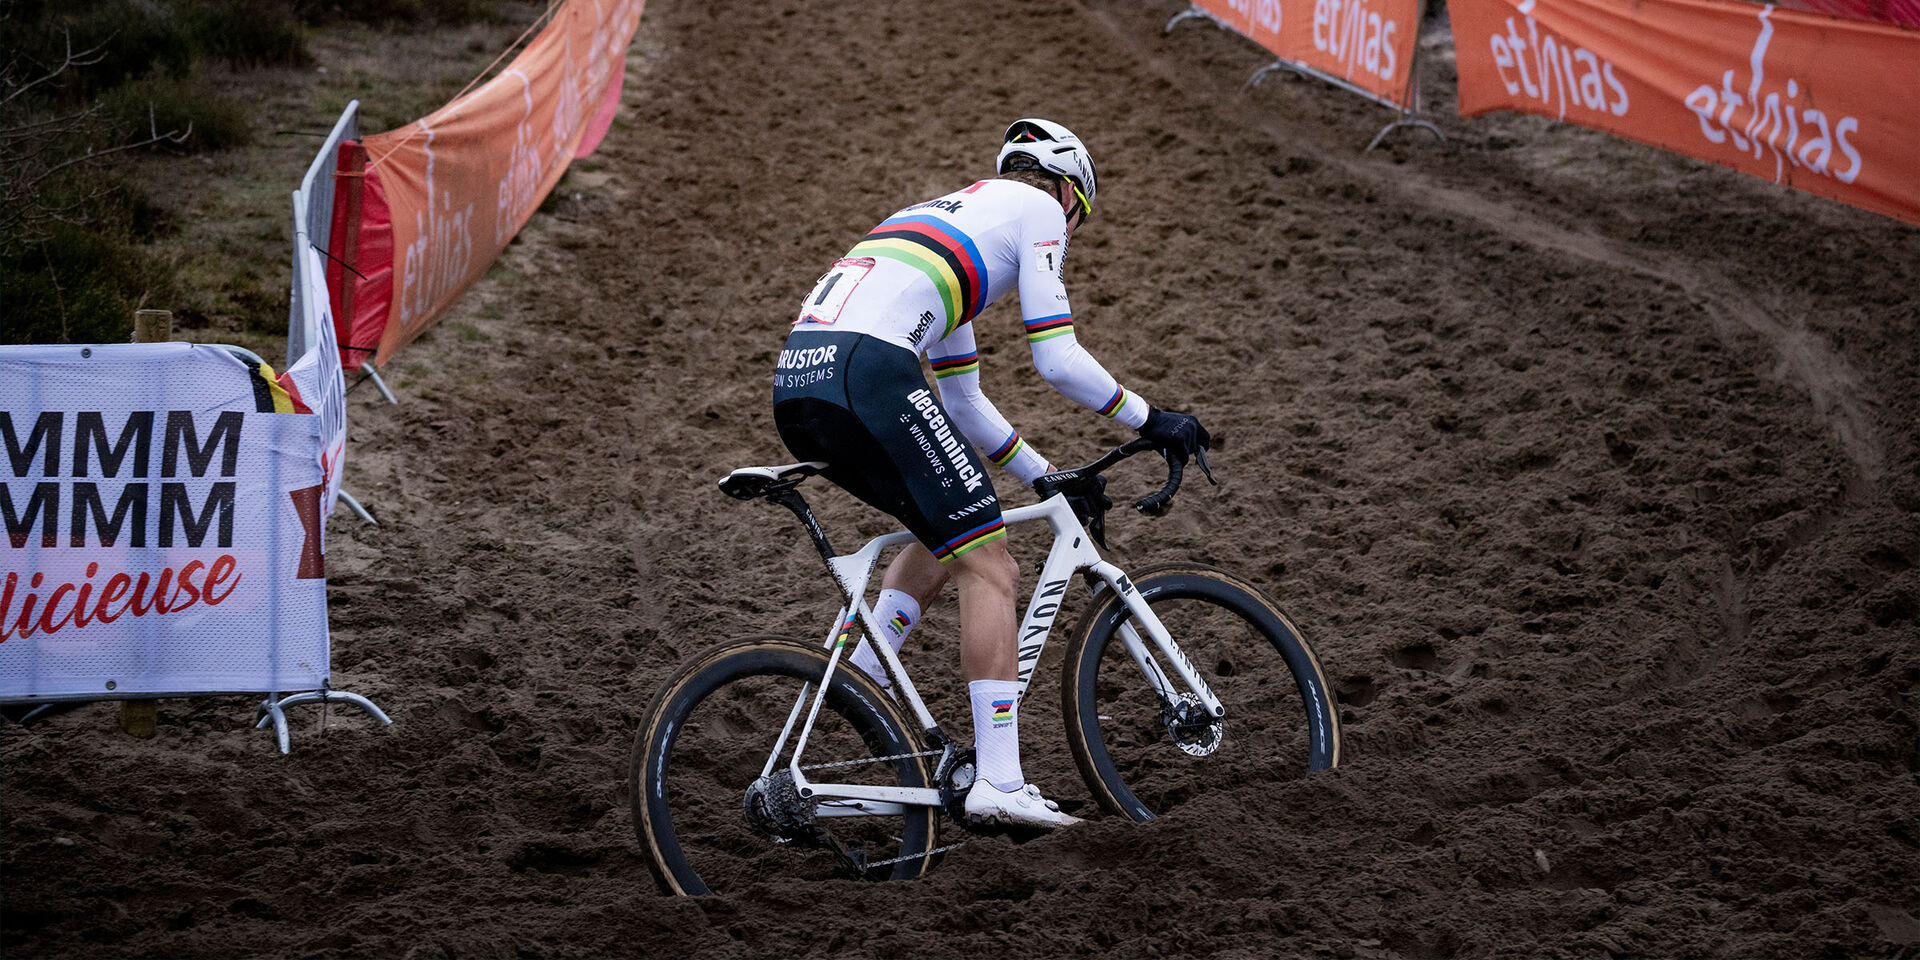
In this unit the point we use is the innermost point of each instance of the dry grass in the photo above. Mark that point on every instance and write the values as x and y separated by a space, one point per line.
230 257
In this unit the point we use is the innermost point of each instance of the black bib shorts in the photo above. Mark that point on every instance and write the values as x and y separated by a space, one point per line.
861 404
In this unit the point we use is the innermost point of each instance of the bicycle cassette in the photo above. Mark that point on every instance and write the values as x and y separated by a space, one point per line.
775 809
1192 730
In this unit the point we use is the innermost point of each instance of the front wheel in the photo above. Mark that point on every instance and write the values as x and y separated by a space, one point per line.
709 820
1138 751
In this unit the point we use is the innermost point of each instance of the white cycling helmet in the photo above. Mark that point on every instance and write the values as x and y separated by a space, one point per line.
1055 149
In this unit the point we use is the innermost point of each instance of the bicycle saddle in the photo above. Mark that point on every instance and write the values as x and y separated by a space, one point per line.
748 483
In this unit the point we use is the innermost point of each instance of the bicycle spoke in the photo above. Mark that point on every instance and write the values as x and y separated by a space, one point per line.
1149 751
710 817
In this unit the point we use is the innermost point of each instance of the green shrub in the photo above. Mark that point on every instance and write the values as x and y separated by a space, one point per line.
443 12
77 285
211 121
245 33
128 40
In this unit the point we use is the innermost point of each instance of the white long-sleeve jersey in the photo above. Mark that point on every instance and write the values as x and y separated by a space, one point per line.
919 278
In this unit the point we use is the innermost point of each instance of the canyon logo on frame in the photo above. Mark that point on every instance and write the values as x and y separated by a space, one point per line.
1366 43
434 202
1825 105
162 526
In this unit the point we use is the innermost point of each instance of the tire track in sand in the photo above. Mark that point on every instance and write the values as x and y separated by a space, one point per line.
1804 357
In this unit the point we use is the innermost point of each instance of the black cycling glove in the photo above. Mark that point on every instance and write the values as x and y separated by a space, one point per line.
1180 435
1090 503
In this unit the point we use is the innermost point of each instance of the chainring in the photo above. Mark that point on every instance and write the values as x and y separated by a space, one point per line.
955 774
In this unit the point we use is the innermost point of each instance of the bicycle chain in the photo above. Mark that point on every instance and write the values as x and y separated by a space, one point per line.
898 756
912 856
849 763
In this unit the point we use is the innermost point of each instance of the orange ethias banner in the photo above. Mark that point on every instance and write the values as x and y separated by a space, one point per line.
1826 105
431 205
1367 44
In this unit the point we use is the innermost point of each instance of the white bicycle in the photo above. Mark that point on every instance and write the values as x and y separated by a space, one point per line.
765 758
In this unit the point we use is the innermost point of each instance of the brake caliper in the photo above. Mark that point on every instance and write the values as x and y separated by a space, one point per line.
1192 730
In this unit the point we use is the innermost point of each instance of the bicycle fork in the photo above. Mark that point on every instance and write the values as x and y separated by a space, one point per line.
1138 612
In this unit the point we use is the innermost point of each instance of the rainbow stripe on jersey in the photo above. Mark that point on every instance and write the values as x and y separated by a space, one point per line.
938 249
1046 328
965 543
944 367
1118 400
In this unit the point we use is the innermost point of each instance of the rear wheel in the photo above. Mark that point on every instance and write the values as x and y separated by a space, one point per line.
710 822
1139 753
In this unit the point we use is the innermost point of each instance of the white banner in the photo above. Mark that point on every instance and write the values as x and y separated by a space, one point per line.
317 376
162 535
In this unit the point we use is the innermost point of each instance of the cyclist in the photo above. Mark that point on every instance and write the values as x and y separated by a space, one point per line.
848 390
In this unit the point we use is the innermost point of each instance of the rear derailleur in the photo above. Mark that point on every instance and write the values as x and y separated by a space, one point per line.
776 811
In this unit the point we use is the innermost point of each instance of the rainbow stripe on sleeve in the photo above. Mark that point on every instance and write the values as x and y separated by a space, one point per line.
1113 405
1005 453
944 367
1046 328
965 543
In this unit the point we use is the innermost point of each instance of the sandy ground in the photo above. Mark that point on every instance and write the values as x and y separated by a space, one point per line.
1590 470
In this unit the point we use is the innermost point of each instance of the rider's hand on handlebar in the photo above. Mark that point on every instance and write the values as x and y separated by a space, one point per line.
1089 501
1180 435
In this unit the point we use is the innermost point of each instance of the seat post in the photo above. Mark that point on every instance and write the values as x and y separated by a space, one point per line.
790 498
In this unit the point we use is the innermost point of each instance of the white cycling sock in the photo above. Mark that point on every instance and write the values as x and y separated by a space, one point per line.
996 732
897 612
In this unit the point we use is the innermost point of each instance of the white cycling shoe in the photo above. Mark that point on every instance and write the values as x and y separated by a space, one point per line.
1024 807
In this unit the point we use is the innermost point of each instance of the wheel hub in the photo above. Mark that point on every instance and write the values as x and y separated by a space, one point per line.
1195 732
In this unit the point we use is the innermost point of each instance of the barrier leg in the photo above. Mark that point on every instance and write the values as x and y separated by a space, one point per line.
1260 75
354 505
1407 121
273 710
1191 13
1410 115
378 384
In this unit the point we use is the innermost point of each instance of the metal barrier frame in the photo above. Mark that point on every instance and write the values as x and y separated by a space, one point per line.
1409 112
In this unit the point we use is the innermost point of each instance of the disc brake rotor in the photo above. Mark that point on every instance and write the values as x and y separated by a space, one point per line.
1192 730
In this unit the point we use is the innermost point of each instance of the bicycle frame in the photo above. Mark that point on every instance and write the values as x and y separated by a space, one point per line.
1072 552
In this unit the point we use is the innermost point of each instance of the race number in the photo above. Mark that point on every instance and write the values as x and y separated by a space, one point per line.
1049 256
829 296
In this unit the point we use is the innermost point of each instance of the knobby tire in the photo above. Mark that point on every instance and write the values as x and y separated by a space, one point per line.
703 741
1279 723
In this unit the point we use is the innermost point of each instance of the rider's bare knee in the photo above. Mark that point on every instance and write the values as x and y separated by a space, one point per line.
990 565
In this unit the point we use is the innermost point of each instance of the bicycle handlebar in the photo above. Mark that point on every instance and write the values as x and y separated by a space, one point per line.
1086 481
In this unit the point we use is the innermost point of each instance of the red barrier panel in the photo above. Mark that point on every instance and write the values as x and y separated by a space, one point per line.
360 258
455 186
1903 12
1828 106
1366 43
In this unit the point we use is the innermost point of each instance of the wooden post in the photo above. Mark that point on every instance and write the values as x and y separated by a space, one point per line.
152 326
138 717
